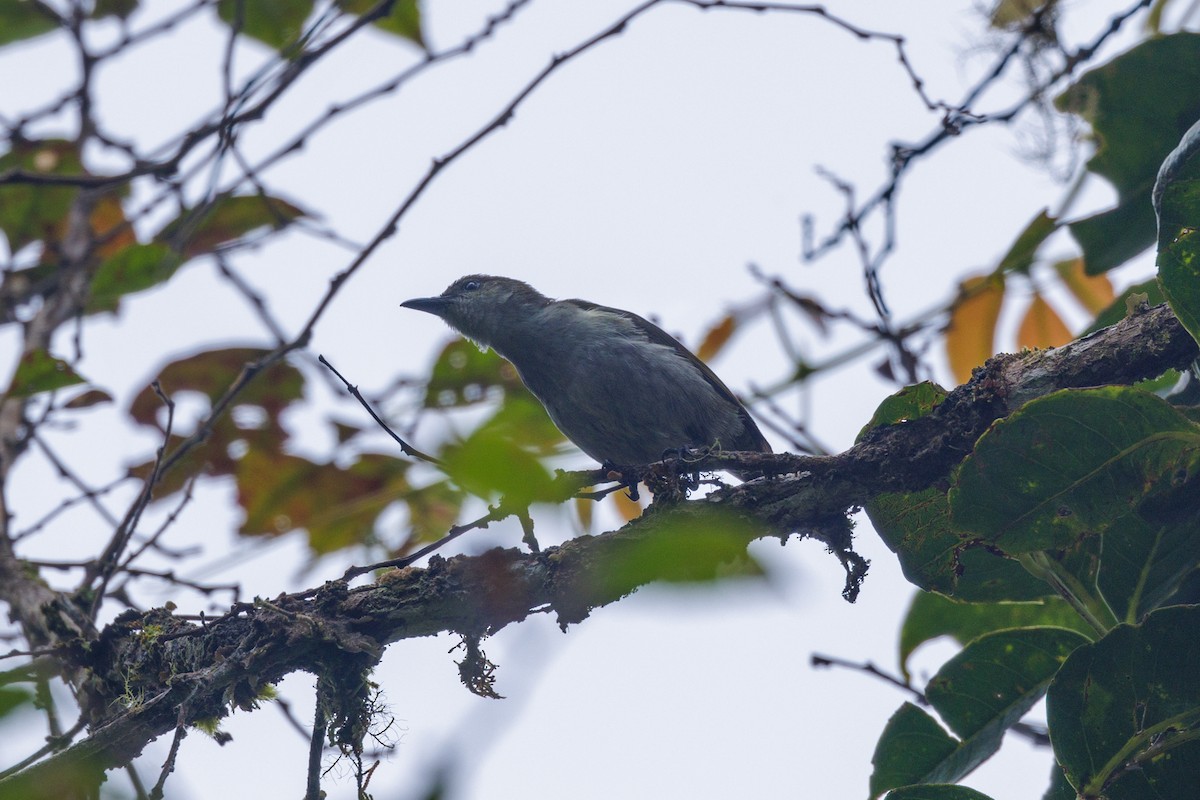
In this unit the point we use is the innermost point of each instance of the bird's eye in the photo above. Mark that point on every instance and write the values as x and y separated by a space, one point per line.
470 286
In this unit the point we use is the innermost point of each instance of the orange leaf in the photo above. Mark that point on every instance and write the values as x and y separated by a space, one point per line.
716 338
971 335
1042 326
583 510
628 509
1094 292
112 230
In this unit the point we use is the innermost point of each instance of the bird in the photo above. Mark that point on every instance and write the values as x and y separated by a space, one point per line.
621 388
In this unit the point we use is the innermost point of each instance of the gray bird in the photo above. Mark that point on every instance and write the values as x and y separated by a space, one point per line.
618 386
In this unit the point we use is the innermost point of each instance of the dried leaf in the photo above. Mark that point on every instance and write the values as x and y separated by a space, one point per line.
716 338
971 335
1042 326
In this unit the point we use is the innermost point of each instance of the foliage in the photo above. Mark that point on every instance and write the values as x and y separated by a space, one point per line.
1057 548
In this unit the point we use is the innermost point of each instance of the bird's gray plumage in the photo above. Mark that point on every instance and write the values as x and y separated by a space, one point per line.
615 384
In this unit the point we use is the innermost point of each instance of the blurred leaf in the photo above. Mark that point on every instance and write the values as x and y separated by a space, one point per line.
1119 308
133 269
931 616
1071 463
432 510
1139 105
277 23
628 508
211 372
995 680
1125 711
1177 203
403 21
337 507
521 418
971 335
1042 326
916 526
701 546
112 230
583 511
227 219
345 431
1020 255
1094 292
89 398
716 338
12 699
38 371
915 749
489 464
114 8
1016 15
253 420
21 19
31 212
463 374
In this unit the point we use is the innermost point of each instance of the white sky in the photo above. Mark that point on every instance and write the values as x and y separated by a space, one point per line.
646 175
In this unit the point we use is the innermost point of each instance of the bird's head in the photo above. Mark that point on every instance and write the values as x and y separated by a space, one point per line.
482 307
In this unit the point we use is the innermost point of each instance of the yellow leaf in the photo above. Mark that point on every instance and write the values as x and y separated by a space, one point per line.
1042 326
583 510
717 337
971 335
628 509
1094 292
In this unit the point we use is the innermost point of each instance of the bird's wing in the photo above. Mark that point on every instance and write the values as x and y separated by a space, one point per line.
658 336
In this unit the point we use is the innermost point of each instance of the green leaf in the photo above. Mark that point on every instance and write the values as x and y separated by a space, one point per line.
114 8
134 268
403 21
911 402
1060 788
38 371
1147 554
995 680
916 526
31 212
202 230
1177 203
21 19
1020 255
936 791
12 699
935 557
464 375
1125 711
931 616
432 510
489 464
277 23
1139 105
1071 464
915 749
701 546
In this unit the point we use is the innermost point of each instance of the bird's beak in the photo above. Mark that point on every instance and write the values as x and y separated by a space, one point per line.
430 305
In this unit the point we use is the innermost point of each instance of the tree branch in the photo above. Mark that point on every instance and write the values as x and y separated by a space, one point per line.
195 671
